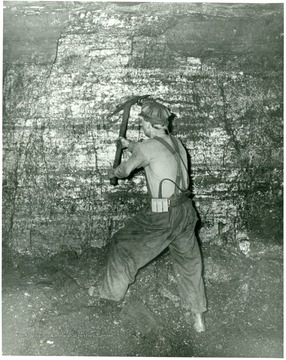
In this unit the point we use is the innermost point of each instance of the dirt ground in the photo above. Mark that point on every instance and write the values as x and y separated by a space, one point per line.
46 309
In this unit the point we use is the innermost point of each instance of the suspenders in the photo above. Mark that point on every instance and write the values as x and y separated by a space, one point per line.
176 152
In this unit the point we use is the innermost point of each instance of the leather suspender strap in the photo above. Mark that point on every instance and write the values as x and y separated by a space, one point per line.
176 142
179 169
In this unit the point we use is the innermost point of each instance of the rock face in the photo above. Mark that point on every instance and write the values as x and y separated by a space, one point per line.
67 65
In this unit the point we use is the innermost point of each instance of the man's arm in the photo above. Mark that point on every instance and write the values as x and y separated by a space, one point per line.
136 161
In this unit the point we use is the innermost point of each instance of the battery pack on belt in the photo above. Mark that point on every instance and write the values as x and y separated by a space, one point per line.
160 205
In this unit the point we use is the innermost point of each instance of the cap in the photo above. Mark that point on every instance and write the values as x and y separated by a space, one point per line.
155 112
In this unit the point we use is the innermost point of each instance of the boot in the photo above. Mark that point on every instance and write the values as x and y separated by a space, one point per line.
195 319
94 295
93 291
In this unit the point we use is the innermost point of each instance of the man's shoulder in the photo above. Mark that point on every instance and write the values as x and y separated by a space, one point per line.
146 143
150 143
146 147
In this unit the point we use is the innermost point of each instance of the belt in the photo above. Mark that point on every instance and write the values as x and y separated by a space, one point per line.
178 199
163 204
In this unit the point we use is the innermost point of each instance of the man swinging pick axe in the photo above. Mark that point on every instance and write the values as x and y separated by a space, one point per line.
169 221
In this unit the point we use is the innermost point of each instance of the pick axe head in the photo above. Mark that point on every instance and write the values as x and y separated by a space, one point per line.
123 129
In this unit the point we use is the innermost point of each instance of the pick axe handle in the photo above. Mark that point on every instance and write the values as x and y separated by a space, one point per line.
122 133
117 161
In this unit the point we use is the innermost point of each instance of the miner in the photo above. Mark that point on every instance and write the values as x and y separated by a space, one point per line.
168 221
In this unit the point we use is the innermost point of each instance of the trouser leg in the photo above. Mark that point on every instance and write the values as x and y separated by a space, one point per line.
145 237
140 241
187 261
118 274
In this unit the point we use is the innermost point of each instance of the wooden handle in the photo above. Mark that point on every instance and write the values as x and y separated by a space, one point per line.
117 161
122 131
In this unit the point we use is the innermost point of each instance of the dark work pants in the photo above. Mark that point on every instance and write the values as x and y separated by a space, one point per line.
146 236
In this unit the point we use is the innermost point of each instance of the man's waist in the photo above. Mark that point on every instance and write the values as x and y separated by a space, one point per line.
181 196
163 204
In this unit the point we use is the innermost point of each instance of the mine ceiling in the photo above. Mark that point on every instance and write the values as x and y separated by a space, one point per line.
206 30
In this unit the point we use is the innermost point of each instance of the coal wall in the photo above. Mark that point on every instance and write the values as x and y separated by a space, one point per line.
67 65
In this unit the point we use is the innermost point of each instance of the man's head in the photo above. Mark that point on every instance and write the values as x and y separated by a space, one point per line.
155 115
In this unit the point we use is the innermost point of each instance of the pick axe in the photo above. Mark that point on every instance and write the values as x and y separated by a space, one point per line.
123 129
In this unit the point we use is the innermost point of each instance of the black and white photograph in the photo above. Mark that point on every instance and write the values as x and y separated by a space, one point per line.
142 178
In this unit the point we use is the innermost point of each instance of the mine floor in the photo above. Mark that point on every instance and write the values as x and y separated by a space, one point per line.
46 309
